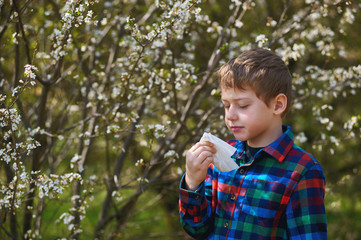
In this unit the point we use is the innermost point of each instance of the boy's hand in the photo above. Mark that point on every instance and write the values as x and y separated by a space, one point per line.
198 158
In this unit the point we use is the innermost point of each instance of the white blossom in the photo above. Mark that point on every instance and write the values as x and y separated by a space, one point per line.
171 153
75 161
301 137
271 23
261 40
349 16
30 71
238 24
142 180
351 123
237 2
15 38
139 162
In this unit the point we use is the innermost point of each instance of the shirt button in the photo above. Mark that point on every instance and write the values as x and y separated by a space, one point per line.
226 224
233 197
241 171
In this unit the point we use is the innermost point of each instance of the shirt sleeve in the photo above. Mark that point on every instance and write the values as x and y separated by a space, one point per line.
195 210
305 212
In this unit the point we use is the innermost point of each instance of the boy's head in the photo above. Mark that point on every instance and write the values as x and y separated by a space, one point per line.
261 70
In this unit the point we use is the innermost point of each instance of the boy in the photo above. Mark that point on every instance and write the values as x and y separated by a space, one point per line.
278 190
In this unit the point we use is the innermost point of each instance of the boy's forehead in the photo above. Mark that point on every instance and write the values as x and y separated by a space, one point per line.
236 93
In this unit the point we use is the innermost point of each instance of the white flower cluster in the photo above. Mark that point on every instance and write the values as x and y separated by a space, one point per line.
117 196
171 154
31 234
338 81
167 82
89 16
181 13
271 22
85 136
182 72
149 42
329 84
15 38
30 71
216 29
353 124
74 13
68 217
318 31
176 14
11 153
238 24
142 180
115 130
326 48
261 40
294 53
67 220
54 184
236 2
348 17
75 163
301 138
9 117
116 92
12 194
320 34
323 120
82 203
15 144
31 145
139 162
153 130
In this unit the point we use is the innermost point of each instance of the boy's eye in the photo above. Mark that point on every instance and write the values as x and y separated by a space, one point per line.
243 106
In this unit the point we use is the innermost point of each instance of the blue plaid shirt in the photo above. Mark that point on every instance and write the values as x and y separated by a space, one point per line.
278 194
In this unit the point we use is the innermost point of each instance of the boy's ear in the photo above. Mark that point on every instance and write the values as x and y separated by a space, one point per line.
280 104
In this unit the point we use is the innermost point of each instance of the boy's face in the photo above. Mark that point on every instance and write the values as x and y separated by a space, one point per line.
249 118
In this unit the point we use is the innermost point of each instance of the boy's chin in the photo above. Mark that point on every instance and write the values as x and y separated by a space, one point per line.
240 138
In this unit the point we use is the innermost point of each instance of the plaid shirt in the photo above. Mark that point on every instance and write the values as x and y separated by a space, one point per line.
278 194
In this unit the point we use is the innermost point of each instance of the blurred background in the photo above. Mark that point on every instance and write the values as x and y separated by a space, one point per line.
100 99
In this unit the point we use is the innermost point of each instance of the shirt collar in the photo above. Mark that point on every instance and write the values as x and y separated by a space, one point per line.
277 149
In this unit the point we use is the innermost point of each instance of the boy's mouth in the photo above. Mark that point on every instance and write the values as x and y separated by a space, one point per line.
236 128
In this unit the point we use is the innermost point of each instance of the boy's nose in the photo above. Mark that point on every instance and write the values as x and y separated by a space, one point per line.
231 115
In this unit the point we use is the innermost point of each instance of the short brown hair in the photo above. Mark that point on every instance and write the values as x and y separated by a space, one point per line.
262 70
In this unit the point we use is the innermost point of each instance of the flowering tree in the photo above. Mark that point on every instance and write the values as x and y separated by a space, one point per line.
100 99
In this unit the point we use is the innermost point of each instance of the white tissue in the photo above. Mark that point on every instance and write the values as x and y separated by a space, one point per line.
222 159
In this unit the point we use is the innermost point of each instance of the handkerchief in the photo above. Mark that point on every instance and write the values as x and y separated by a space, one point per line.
222 159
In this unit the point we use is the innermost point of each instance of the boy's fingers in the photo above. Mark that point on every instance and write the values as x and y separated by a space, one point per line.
203 146
207 161
202 143
207 143
201 151
211 146
204 155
